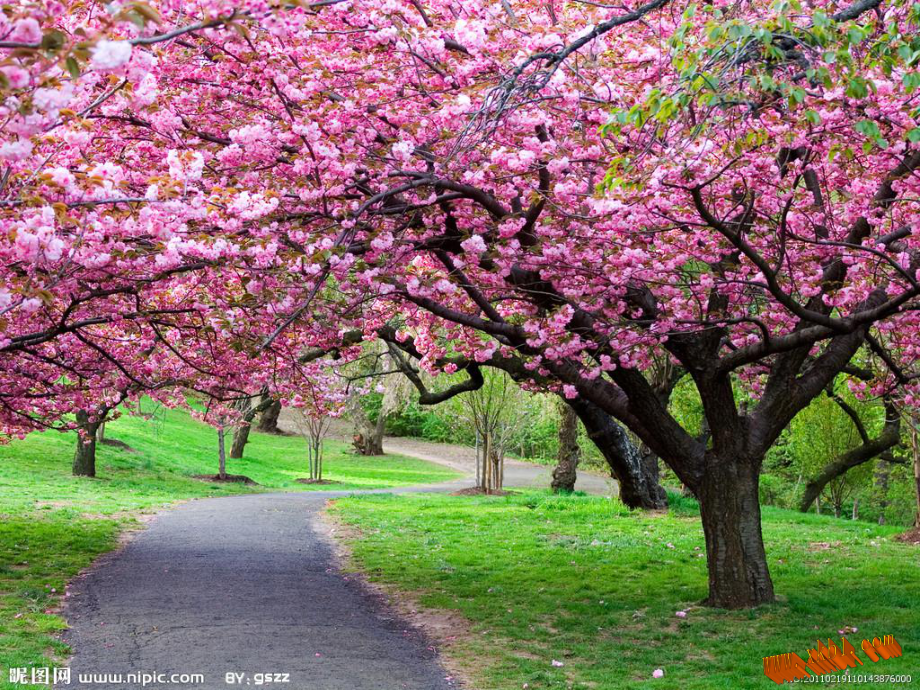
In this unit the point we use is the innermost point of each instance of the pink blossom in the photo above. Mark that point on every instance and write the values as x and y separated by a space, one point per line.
15 150
26 30
16 76
658 673
110 55
185 166
474 244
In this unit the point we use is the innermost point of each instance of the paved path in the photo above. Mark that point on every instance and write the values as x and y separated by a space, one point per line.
249 585
463 458
242 584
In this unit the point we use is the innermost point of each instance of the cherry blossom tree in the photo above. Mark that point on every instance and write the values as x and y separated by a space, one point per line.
110 282
569 193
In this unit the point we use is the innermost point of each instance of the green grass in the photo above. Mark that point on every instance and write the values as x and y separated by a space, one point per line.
52 524
583 581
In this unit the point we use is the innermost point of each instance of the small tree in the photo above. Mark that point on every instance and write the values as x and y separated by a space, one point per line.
313 427
324 399
495 412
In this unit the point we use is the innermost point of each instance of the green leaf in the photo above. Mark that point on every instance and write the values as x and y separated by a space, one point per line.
53 41
73 67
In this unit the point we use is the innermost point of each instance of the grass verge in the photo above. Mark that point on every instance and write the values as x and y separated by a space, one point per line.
583 581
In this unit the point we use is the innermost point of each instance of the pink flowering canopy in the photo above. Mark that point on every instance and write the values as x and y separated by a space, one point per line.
214 195
196 194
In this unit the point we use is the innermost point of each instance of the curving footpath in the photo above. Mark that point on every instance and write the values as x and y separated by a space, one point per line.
249 586
244 585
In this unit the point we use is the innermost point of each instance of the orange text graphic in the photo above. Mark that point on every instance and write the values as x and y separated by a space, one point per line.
827 658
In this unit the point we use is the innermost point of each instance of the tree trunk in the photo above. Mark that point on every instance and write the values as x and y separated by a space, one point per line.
917 487
84 459
486 476
730 510
565 473
497 471
221 454
369 445
241 433
914 435
639 487
100 432
268 422
883 474
368 439
240 438
478 463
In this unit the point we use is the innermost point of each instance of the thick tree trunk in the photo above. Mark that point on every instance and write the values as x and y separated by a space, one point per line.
241 433
565 472
369 444
639 487
84 459
730 509
368 439
268 422
240 438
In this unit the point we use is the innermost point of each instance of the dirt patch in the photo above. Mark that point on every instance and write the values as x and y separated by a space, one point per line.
477 491
131 530
238 478
911 536
823 545
48 505
443 627
316 481
115 443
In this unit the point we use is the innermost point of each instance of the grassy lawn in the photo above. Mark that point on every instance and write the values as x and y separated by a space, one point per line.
583 581
52 524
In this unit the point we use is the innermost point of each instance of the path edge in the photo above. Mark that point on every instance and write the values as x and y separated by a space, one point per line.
338 533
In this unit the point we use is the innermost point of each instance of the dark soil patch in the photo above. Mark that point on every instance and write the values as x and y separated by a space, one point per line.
238 478
115 443
477 491
911 536
316 481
